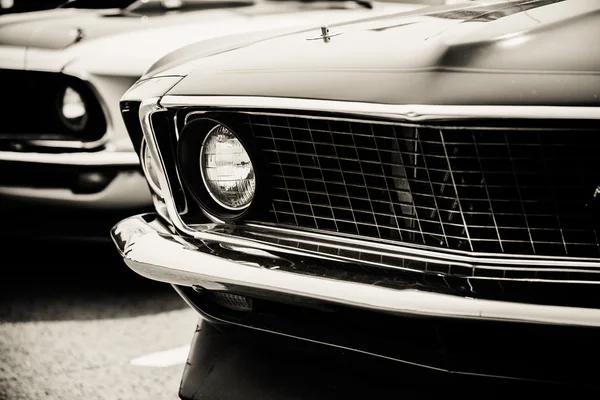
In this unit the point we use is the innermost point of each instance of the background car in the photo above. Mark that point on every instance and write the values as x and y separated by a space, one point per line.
418 188
68 67
17 6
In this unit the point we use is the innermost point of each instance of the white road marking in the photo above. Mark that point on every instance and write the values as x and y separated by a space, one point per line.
165 358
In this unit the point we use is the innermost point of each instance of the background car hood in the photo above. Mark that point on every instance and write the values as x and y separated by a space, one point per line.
126 45
54 29
519 52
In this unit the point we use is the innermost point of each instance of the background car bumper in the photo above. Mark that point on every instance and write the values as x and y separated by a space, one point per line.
100 158
69 195
103 180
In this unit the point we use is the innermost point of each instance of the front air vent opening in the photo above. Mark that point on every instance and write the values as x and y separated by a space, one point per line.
164 132
130 112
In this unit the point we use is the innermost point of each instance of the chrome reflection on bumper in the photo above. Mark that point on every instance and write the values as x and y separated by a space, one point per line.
152 250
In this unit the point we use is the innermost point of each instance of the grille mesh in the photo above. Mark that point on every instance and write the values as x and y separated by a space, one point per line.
515 191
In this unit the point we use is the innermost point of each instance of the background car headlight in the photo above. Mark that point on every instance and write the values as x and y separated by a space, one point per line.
226 169
72 109
150 169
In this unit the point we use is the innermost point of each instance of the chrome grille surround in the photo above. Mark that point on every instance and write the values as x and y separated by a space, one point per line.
535 267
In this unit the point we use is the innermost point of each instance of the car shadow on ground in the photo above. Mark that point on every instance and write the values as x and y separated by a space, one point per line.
54 281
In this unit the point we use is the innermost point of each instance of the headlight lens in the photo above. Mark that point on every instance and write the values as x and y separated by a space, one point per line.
150 169
227 170
72 109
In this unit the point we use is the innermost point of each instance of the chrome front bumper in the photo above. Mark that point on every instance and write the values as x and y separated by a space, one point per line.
215 260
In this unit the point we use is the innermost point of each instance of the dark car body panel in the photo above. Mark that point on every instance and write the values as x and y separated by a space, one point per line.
388 347
530 53
219 357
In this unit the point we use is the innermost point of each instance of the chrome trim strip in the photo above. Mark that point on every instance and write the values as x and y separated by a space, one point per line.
69 144
147 108
152 251
101 158
445 254
259 240
360 119
402 112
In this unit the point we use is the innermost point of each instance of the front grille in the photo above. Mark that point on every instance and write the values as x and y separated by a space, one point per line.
490 190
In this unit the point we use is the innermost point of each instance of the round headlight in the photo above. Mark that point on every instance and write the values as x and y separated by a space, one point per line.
72 109
226 169
150 169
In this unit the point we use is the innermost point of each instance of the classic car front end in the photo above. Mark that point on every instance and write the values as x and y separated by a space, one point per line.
62 127
420 188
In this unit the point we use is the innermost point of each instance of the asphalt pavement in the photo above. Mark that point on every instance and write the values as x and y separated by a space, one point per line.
76 323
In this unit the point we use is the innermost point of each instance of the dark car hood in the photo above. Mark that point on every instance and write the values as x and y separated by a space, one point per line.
519 52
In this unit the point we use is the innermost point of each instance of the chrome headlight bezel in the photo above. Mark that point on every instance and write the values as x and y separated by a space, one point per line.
191 140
